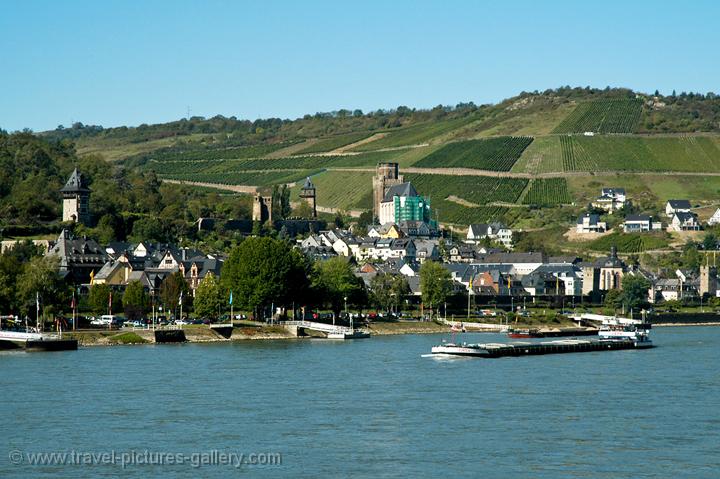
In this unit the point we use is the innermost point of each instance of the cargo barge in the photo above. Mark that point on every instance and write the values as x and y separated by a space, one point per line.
551 333
608 341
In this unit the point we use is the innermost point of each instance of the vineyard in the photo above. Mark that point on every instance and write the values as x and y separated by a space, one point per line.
450 212
548 192
205 154
334 142
692 154
630 243
253 178
603 116
416 134
479 190
345 190
495 154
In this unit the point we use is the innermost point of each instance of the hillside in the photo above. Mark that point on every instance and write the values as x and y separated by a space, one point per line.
542 151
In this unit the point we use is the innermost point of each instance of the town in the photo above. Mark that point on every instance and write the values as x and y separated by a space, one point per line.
403 266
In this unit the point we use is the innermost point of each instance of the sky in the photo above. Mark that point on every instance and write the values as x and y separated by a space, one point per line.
114 63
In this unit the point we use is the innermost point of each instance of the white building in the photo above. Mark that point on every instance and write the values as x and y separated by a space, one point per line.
676 206
640 224
610 199
590 223
495 231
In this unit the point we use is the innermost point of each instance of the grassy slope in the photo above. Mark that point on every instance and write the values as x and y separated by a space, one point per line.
116 150
416 134
542 156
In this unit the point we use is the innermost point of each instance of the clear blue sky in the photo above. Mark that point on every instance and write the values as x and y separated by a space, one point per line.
126 63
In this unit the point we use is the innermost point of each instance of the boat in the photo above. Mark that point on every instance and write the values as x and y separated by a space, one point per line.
631 337
550 332
32 340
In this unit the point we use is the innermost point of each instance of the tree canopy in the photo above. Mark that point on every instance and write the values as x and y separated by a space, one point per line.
435 283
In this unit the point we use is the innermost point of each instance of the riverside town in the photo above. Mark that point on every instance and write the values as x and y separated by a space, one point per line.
330 234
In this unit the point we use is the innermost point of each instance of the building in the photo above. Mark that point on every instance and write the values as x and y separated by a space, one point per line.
610 199
79 257
715 218
76 199
387 175
402 203
494 231
307 194
676 206
708 281
262 208
590 223
640 224
684 221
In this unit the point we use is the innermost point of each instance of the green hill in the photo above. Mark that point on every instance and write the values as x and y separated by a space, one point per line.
538 143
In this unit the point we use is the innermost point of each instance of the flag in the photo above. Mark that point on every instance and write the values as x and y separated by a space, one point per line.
92 277
180 300
230 302
470 283
72 303
37 300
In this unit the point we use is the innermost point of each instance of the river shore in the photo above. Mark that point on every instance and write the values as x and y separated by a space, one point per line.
204 334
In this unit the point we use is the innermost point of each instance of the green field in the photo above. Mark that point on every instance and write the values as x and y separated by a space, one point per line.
253 178
191 154
334 142
542 156
548 192
496 154
416 134
479 190
630 242
610 153
346 190
603 116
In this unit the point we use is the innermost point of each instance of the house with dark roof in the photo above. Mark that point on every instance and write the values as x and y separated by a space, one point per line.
640 224
684 221
78 257
677 206
610 199
590 223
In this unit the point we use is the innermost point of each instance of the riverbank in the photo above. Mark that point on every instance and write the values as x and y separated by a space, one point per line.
205 334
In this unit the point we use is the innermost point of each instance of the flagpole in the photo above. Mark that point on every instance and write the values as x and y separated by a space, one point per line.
231 308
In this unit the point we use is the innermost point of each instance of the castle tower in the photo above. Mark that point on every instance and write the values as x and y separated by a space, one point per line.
76 199
307 193
387 175
262 208
708 280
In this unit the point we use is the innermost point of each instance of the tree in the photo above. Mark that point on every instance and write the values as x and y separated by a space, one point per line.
40 277
635 291
613 299
135 300
388 290
148 229
208 297
261 271
303 210
334 281
435 283
366 219
171 288
710 242
99 298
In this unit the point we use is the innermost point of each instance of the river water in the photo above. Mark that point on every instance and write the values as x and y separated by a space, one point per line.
364 408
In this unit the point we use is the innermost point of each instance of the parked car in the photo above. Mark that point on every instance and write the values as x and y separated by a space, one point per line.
181 322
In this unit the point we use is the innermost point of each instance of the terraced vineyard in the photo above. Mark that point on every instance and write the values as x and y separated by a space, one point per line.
450 212
479 190
416 134
251 178
630 243
548 192
205 154
334 142
495 154
346 190
603 116
607 153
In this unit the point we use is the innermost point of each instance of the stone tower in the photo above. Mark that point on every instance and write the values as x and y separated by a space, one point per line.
262 208
387 175
76 199
708 280
307 193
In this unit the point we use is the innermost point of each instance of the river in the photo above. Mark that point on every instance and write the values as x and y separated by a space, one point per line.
364 408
